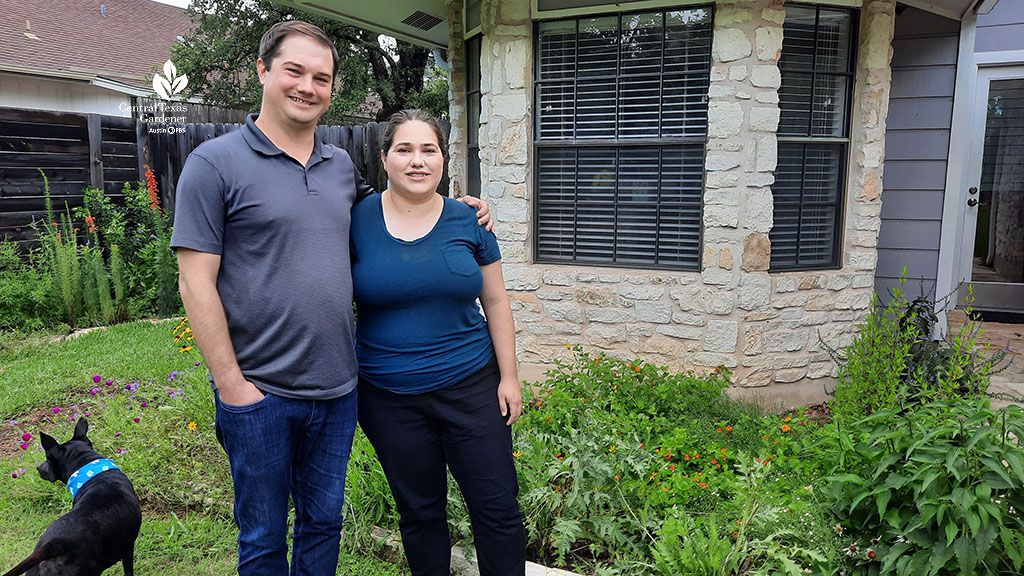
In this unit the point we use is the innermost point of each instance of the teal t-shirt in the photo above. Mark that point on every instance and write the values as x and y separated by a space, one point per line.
418 325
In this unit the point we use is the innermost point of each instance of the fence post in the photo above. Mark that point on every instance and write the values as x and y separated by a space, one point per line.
95 151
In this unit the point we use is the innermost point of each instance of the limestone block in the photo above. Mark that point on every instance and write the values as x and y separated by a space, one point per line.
511 30
721 91
760 179
717 276
813 282
654 312
853 300
516 58
785 340
791 301
820 370
604 336
507 174
724 216
515 147
552 295
760 210
596 295
509 210
768 40
685 332
514 10
712 359
513 252
720 161
521 277
730 44
753 340
559 278
716 180
563 311
667 346
823 302
840 281
610 315
512 106
743 94
725 119
539 329
687 319
767 97
729 15
725 259
767 153
764 119
709 258
814 318
756 252
568 328
721 335
609 278
704 300
529 317
760 315
754 291
790 375
738 73
641 292
784 284
844 316
756 379
862 259
774 15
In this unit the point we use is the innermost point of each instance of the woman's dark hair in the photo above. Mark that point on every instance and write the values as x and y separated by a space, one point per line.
270 43
403 116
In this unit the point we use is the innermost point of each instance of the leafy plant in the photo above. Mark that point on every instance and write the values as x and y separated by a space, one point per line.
26 296
936 490
895 359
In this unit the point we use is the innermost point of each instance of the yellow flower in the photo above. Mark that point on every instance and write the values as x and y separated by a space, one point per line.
192 426
517 454
184 349
612 449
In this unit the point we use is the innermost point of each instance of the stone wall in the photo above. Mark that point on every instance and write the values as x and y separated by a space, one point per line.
765 326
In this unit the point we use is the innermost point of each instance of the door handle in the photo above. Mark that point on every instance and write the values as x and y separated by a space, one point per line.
972 202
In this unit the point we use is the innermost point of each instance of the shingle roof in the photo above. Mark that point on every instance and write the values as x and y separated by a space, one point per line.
126 45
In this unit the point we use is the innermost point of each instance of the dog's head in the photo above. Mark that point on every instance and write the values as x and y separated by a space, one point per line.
63 459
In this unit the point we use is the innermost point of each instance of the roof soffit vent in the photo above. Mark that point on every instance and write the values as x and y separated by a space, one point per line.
421 20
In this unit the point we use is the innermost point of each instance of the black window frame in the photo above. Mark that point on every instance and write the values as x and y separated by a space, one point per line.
687 147
808 142
473 46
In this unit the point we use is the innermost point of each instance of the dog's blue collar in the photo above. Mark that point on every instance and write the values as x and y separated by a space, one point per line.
88 472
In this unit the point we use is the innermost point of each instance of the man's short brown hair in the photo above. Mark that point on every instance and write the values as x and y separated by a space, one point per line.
270 44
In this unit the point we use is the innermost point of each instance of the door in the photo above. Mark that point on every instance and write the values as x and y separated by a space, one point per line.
993 257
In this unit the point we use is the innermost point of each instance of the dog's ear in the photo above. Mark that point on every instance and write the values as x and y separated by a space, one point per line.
81 429
47 441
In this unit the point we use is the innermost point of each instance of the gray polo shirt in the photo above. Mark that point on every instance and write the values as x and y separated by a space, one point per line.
282 231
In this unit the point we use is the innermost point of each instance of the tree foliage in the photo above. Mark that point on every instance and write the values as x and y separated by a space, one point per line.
220 54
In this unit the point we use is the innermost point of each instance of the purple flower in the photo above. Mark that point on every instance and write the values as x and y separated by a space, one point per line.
14 474
24 445
110 382
117 434
56 410
97 378
133 387
136 419
120 450
26 436
88 414
94 391
144 404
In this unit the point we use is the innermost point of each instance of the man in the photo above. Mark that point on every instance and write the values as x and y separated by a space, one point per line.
262 233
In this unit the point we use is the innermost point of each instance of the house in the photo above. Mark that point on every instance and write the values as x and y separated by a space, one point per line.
93 56
701 183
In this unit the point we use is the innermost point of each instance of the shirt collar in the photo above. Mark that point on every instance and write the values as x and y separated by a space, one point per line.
259 142
88 472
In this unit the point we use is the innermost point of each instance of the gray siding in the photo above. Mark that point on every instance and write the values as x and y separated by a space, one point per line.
1002 28
917 146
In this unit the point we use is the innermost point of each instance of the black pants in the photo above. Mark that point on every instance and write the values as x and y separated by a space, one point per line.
415 436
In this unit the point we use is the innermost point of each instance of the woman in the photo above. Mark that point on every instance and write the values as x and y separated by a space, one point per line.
438 384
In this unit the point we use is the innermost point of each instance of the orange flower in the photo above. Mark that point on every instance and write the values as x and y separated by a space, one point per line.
735 534
616 477
154 196
687 457
672 467
728 428
788 419
714 461
785 427
636 368
703 484
719 430
696 455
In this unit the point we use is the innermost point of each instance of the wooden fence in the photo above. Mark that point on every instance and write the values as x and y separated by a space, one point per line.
80 150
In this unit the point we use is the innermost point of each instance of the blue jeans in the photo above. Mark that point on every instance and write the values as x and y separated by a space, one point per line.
279 447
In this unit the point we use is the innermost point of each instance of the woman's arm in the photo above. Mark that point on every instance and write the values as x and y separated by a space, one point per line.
494 299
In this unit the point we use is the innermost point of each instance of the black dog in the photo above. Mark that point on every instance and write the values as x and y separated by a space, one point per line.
105 516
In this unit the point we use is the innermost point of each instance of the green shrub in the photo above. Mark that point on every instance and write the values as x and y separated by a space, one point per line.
895 360
26 296
936 490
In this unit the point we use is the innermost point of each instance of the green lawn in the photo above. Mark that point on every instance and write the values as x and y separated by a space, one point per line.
170 453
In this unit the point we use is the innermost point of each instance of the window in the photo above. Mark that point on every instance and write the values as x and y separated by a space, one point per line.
621 128
473 116
814 137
